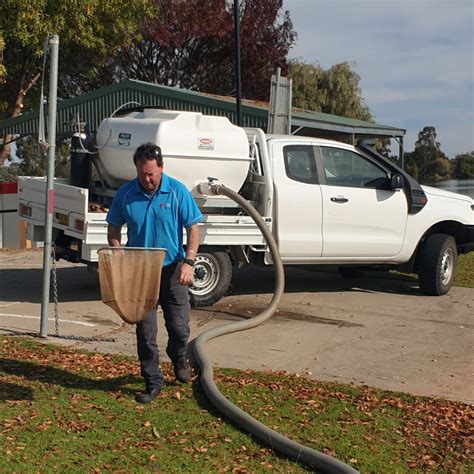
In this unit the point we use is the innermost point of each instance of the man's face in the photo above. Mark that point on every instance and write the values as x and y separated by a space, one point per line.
149 174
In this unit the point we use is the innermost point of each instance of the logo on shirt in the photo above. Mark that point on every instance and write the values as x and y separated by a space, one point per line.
165 205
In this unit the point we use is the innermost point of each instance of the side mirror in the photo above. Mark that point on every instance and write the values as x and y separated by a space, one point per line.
396 181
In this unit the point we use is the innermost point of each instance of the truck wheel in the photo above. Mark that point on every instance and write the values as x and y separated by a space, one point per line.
212 274
437 264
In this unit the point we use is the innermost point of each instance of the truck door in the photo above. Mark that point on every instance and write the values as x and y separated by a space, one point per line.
297 197
361 216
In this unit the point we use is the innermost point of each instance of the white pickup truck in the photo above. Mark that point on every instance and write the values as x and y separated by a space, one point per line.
326 203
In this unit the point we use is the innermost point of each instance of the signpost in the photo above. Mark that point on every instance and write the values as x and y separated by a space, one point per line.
48 224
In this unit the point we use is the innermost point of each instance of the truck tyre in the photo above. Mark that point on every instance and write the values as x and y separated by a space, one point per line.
437 264
212 274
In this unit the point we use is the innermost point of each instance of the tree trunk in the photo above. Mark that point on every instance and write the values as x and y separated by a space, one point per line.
5 149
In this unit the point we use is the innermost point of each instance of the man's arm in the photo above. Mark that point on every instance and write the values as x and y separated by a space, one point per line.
192 245
114 235
192 241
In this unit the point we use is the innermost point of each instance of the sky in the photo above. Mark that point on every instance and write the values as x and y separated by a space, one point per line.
415 59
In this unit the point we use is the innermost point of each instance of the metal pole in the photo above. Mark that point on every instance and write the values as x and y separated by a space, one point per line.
48 224
238 84
402 153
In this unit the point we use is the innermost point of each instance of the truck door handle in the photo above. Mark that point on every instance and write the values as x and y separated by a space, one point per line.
339 199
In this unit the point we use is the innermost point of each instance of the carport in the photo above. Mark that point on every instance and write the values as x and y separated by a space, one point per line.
93 107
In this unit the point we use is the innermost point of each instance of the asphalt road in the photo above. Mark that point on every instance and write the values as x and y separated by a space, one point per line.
371 330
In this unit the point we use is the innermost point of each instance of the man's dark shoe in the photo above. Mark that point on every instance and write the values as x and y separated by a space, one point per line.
182 371
148 395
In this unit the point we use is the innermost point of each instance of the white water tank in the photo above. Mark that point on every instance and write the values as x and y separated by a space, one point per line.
194 146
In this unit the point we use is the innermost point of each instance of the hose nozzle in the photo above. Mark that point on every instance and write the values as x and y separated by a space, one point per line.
211 188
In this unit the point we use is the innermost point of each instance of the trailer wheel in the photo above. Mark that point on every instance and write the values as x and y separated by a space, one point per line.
437 264
212 274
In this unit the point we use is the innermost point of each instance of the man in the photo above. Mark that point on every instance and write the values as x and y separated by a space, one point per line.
155 208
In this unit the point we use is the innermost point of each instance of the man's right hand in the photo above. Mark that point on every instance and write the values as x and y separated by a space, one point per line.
114 235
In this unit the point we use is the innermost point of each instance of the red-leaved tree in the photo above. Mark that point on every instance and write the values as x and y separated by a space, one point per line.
190 44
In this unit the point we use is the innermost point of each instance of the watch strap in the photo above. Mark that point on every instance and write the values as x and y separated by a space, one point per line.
189 261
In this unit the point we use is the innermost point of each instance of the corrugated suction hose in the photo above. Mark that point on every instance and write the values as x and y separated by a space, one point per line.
310 457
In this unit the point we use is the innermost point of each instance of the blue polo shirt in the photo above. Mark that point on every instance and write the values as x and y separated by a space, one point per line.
158 220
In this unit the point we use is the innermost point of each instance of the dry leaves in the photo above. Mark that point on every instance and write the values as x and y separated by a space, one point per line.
429 427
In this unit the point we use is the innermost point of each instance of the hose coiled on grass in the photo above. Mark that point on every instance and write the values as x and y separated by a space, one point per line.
308 456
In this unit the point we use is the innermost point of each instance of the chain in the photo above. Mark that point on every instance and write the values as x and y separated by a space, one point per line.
70 338
56 309
55 291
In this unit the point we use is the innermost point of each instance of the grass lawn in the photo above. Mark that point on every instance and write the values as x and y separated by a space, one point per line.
69 411
465 271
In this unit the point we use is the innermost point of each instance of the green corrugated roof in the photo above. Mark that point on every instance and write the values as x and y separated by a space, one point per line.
337 123
93 107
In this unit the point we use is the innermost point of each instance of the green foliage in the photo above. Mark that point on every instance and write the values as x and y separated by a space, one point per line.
463 166
88 31
33 158
427 139
9 173
307 79
333 91
427 163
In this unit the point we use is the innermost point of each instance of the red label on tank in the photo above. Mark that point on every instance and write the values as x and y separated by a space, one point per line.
205 144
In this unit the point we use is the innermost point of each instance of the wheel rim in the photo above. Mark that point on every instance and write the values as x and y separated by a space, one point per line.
206 274
447 266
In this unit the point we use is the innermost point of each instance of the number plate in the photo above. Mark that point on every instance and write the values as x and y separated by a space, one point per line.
62 219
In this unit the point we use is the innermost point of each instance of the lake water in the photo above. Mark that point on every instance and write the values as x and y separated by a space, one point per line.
461 186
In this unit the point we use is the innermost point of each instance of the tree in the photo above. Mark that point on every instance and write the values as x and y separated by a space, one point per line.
267 35
2 67
9 173
427 163
463 166
307 85
88 32
33 158
190 44
334 91
174 43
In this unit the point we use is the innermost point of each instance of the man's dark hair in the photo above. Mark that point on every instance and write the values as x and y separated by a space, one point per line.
148 151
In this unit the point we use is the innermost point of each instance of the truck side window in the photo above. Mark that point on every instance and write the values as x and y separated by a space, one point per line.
300 163
346 168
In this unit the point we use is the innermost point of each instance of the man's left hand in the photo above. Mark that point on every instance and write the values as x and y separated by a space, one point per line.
185 274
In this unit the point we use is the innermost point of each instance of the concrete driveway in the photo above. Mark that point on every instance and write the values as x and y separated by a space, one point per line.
374 331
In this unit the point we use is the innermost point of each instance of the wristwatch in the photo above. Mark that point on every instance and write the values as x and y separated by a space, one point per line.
189 261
